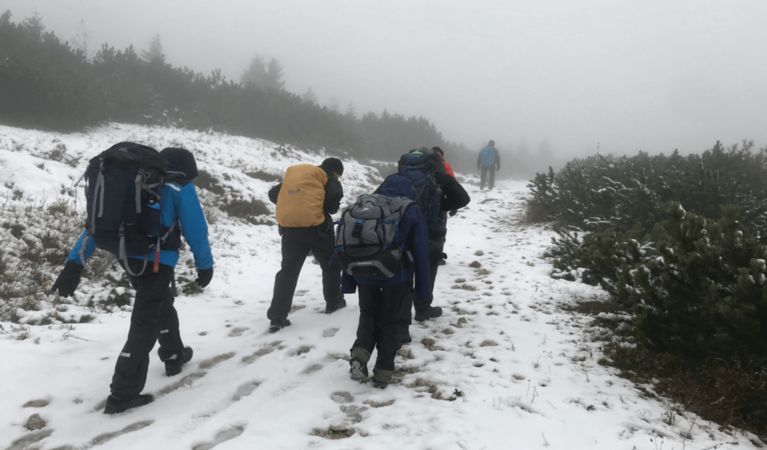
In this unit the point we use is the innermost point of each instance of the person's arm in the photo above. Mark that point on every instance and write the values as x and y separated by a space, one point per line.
479 160
334 192
418 243
274 192
455 195
74 254
194 227
497 159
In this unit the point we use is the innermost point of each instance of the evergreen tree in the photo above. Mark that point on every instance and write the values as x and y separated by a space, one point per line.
154 53
309 96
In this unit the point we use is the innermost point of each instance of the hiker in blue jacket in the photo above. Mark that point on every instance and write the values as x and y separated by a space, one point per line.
488 160
382 300
154 317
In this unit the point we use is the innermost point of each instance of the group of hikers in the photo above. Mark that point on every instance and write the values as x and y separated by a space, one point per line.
388 245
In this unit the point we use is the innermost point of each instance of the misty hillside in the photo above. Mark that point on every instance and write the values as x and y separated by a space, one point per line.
509 364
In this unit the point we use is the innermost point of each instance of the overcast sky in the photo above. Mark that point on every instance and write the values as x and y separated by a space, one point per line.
650 75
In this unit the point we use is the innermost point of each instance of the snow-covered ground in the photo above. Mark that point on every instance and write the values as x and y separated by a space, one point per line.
504 368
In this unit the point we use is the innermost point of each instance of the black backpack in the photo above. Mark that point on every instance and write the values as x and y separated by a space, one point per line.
420 166
365 237
123 196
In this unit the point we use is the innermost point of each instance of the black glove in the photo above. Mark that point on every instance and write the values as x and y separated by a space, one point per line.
68 279
453 212
204 276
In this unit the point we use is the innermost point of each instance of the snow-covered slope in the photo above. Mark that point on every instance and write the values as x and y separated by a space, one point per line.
504 368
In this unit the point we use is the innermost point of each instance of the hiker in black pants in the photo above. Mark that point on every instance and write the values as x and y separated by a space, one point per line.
488 160
454 197
305 199
154 317
381 300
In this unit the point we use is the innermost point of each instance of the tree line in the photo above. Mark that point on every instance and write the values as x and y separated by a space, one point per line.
48 84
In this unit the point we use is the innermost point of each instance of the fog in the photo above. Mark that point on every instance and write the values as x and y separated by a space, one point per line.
571 76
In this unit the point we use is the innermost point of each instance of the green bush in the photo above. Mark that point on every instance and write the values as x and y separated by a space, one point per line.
704 296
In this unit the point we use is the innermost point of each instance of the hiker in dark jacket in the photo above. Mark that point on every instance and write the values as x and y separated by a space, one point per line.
489 161
154 317
306 225
381 300
454 197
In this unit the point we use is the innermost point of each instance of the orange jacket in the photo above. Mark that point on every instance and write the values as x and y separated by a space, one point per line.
448 169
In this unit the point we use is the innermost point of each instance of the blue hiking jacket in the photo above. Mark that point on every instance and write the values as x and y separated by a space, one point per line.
412 230
178 204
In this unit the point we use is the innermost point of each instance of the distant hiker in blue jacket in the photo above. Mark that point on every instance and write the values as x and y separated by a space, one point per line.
381 300
488 160
154 317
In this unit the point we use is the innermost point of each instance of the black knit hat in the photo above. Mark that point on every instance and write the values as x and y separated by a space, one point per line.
333 165
438 150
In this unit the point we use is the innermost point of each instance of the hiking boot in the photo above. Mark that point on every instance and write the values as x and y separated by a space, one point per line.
430 313
174 363
278 324
403 333
331 308
380 384
116 405
358 369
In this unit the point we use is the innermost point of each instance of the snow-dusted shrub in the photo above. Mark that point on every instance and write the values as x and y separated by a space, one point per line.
36 238
601 192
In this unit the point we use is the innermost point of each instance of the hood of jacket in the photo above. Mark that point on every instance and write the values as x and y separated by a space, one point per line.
182 167
398 186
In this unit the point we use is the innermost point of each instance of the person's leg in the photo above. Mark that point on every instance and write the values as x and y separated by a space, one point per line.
323 245
170 336
389 305
482 178
405 315
152 291
436 247
367 332
424 310
293 255
492 176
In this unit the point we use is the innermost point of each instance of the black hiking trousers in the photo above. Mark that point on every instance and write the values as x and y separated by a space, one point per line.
487 170
379 306
296 244
436 248
154 318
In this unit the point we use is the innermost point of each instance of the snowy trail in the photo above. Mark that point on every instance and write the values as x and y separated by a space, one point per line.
504 367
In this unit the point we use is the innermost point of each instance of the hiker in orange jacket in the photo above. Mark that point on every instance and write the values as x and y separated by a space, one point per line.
448 167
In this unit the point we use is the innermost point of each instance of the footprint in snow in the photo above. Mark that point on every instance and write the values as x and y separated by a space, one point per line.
265 350
28 439
238 331
100 439
185 382
211 362
342 397
329 332
312 369
245 390
222 436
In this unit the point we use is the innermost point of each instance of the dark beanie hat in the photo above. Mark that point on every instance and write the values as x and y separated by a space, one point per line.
438 150
491 143
333 165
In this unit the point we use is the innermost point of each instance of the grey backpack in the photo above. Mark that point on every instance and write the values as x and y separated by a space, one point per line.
365 237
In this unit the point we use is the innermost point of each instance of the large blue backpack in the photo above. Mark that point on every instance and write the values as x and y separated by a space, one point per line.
487 156
123 197
420 167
